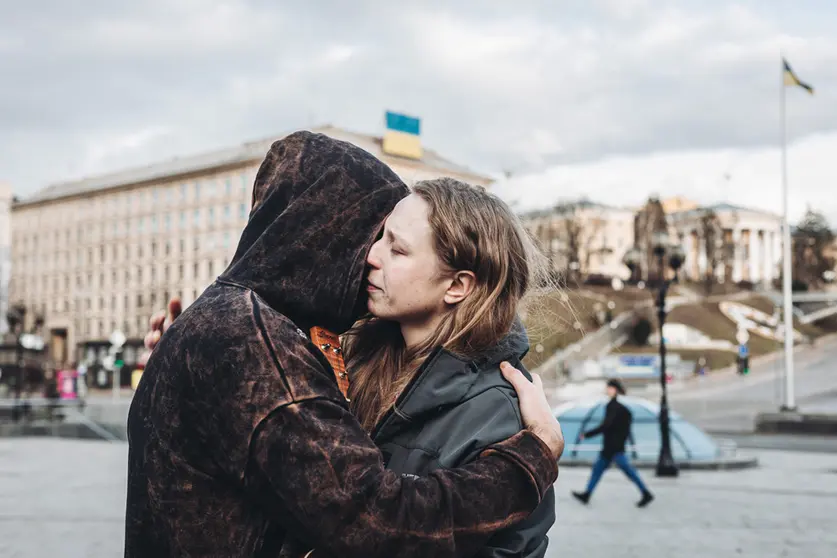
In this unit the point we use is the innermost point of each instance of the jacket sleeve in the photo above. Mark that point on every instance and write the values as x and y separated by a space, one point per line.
313 469
528 538
607 423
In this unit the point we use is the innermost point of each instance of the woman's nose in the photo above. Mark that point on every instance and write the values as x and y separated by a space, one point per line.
372 258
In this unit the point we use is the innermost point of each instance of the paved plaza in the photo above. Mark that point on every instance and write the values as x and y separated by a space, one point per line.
66 498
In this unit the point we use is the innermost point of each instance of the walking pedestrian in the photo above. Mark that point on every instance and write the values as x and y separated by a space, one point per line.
615 428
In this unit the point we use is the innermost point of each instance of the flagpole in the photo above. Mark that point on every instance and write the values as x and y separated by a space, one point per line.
790 402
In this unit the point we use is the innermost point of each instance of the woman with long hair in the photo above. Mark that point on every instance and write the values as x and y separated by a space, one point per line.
446 280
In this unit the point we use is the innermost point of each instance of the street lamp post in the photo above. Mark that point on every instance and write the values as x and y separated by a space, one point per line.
666 467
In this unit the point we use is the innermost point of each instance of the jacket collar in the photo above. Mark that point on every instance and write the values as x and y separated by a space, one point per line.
446 379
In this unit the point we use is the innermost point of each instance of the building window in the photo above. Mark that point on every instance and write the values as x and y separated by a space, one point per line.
140 225
211 216
168 247
180 271
197 190
195 270
139 251
168 222
243 182
228 186
227 213
183 191
196 217
153 223
182 246
242 211
227 239
139 300
182 219
155 195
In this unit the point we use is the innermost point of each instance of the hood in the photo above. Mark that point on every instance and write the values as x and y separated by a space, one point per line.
447 379
318 206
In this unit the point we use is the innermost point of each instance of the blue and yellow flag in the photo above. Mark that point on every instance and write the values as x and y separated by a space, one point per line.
791 79
403 136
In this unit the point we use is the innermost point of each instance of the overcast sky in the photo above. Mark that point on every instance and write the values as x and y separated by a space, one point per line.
612 99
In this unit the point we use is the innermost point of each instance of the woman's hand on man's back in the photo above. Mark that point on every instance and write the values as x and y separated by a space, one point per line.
534 407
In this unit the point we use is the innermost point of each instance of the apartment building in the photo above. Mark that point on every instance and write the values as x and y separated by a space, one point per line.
104 253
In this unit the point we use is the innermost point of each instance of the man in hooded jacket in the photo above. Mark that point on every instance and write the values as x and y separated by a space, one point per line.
238 433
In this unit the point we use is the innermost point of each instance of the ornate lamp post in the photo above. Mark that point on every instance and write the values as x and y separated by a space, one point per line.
663 248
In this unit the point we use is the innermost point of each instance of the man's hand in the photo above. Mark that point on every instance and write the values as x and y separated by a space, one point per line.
158 324
537 416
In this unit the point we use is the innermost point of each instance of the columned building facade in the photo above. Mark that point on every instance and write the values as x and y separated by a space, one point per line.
746 243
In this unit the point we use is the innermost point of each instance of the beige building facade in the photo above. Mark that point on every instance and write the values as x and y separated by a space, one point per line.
104 253
593 235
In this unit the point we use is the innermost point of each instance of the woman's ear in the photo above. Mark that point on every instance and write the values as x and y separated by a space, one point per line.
461 286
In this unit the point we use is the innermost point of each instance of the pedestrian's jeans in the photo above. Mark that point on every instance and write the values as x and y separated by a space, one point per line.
621 461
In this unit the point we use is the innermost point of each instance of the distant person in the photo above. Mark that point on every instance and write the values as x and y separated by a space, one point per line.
616 427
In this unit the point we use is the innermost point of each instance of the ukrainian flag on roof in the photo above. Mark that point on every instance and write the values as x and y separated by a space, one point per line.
403 136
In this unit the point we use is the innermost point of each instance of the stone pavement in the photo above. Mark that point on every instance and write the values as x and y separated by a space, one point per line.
66 498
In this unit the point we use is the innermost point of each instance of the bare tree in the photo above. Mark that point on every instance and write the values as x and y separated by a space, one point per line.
812 241
713 242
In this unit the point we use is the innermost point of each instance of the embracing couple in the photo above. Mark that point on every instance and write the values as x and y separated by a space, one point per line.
241 442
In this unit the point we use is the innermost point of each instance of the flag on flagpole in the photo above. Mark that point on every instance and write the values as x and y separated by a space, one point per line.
791 79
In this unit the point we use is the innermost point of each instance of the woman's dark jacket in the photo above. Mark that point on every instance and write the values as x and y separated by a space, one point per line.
451 412
238 434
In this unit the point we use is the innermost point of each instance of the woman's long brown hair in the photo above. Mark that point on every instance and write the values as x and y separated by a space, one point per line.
473 230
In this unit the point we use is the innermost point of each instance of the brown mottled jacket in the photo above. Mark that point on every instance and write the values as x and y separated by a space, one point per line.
238 434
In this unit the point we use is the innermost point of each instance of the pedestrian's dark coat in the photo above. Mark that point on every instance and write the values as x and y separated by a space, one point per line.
616 428
238 433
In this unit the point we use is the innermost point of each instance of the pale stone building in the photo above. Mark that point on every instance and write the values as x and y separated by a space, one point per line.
104 253
750 242
595 235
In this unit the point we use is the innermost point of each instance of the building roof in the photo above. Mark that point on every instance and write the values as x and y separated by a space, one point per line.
723 207
572 205
249 152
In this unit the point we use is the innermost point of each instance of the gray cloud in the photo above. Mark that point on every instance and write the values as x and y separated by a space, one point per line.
100 85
